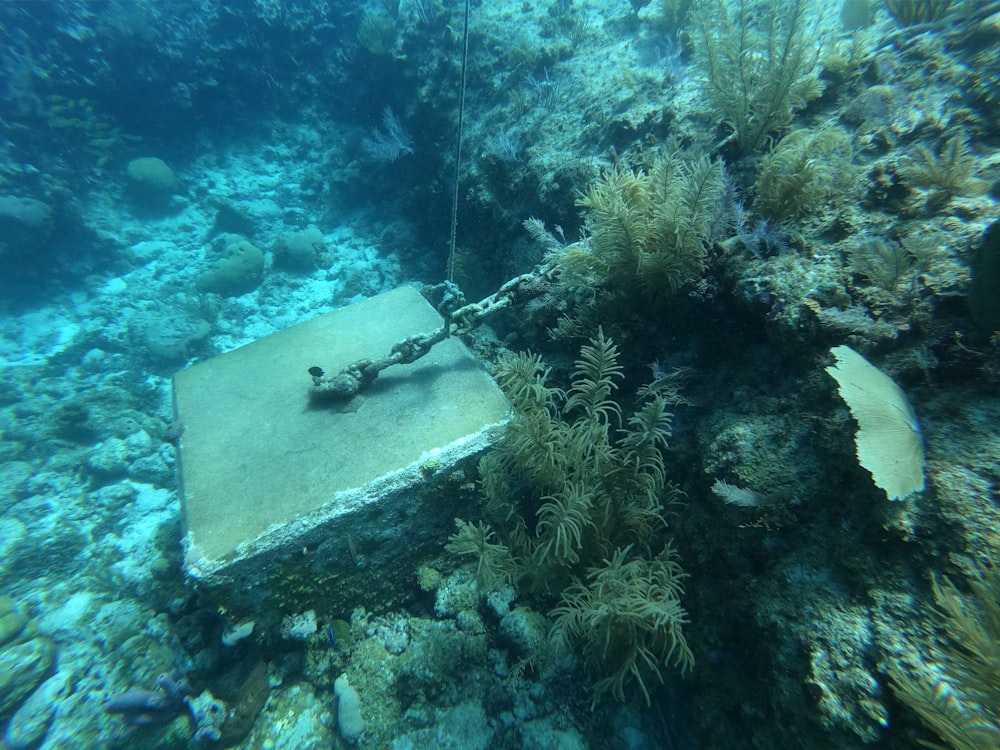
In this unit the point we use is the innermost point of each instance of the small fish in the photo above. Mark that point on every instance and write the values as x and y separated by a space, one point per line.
333 638
352 550
339 633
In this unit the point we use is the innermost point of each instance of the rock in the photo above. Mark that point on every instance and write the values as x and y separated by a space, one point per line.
11 625
25 225
23 667
26 214
984 287
169 336
524 631
31 721
299 251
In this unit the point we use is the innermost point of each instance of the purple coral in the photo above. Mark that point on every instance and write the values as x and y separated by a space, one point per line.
157 706
172 696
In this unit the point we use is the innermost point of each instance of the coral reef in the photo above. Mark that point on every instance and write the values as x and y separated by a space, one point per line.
728 189
300 251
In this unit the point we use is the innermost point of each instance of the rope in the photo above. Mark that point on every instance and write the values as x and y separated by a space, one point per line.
458 146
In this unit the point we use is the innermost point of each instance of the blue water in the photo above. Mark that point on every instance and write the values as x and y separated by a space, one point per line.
179 179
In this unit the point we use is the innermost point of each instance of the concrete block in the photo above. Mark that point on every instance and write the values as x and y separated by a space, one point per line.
288 505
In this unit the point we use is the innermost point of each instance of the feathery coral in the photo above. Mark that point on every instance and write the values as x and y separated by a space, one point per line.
950 171
649 228
572 489
759 64
494 565
959 697
805 168
628 618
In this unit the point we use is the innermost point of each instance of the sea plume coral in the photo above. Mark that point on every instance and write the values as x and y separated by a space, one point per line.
958 694
649 228
759 64
575 494
627 617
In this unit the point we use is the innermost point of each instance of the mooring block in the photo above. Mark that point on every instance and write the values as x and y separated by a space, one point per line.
292 504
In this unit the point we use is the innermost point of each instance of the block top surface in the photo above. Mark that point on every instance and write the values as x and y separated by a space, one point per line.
255 453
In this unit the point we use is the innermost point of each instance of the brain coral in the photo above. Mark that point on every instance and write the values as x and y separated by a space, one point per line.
150 175
235 269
